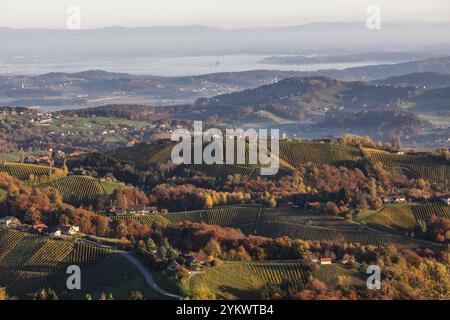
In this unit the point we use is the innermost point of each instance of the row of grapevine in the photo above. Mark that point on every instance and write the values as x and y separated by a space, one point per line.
29 262
423 211
23 171
148 219
230 216
76 188
298 153
243 280
224 170
313 233
275 273
307 218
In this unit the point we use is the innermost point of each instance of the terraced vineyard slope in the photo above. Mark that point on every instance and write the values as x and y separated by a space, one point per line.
298 153
23 171
29 262
404 217
241 280
432 168
78 188
297 224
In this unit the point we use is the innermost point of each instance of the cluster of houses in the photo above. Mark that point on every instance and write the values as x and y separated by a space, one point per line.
322 261
10 222
394 199
138 209
40 228
45 160
189 261
59 231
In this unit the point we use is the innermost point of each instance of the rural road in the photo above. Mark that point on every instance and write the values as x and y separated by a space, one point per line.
147 276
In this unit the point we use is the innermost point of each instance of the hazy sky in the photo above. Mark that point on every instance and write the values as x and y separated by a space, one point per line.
225 13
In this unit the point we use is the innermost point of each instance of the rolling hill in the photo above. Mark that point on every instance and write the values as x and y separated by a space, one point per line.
241 280
30 262
419 79
296 224
378 123
77 188
23 171
435 169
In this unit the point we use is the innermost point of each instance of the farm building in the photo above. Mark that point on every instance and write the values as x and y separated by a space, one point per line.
10 221
394 199
115 211
138 209
446 199
69 230
57 233
173 266
312 205
324 261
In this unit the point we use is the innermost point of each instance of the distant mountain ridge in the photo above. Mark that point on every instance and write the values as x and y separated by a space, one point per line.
425 79
319 37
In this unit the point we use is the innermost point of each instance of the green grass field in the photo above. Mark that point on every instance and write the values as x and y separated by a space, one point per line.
305 225
335 275
404 217
434 169
110 187
394 217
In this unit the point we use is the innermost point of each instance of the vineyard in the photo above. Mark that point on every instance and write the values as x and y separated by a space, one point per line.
297 224
148 219
397 218
23 171
333 275
145 155
29 262
404 217
241 280
423 211
224 170
230 216
76 188
298 153
432 168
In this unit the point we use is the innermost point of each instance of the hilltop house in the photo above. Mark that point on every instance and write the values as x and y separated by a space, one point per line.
445 199
324 261
10 221
41 228
69 230
46 160
394 199
116 211
312 205
138 209
109 177
131 143
173 266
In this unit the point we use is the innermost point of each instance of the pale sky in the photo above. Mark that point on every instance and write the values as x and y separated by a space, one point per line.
223 13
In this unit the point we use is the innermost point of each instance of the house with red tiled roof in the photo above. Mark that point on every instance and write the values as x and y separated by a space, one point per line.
41 228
